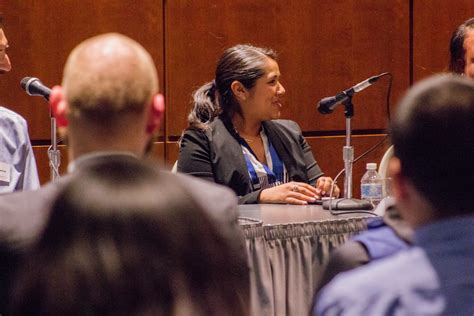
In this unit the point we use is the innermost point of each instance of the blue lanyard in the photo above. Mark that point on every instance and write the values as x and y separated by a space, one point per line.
277 163
272 175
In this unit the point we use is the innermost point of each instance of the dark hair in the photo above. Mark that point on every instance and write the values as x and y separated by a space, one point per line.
433 138
456 47
243 63
123 239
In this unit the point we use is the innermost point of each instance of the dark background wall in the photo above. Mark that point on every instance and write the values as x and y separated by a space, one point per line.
324 46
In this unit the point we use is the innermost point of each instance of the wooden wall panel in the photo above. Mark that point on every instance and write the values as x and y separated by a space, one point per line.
42 34
158 154
325 46
172 150
433 24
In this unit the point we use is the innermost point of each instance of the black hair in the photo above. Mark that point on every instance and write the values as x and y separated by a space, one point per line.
433 138
242 63
456 47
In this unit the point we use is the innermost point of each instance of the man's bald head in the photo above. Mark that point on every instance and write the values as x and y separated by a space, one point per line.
108 76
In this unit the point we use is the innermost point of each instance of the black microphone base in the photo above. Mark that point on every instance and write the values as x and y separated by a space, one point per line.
347 204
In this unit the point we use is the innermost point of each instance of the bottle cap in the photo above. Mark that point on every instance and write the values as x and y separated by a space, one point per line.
371 166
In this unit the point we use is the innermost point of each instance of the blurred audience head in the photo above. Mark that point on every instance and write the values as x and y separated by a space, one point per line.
123 239
5 65
241 63
109 88
434 145
462 49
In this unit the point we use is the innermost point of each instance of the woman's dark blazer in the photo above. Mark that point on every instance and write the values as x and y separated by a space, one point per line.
215 154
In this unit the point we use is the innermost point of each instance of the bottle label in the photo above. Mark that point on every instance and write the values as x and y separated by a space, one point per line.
371 191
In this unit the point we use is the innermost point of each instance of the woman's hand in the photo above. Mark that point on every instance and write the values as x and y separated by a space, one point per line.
323 187
290 193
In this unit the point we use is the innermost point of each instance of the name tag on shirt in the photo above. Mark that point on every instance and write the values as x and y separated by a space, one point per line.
5 172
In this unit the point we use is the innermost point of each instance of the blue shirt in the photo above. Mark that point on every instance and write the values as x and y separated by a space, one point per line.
17 162
435 277
380 240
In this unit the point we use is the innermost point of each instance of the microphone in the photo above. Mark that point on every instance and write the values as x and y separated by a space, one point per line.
34 87
327 105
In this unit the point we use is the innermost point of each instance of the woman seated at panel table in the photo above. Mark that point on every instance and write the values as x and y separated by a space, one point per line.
235 139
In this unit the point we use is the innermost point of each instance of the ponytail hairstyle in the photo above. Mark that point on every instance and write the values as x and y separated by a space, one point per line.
457 60
243 63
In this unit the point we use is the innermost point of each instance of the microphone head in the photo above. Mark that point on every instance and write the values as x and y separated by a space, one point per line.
25 82
325 106
34 87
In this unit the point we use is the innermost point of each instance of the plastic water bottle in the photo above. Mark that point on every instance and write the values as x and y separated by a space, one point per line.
371 185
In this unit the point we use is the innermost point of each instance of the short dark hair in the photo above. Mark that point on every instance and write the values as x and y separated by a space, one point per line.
243 63
125 239
433 137
456 47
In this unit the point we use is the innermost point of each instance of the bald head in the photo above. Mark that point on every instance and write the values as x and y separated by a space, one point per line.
107 77
109 98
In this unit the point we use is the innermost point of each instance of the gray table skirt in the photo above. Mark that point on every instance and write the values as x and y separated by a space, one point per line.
286 260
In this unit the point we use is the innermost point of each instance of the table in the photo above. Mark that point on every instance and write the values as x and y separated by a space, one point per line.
287 247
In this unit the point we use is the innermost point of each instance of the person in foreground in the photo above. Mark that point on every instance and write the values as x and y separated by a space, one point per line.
108 106
140 253
436 275
235 139
391 234
17 161
385 236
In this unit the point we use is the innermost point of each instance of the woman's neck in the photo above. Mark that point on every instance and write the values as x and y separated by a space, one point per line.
246 127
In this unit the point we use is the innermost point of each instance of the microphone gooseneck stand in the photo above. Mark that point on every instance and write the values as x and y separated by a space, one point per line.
347 203
54 155
34 87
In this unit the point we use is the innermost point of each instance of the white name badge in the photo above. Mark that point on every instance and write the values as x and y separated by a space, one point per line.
5 172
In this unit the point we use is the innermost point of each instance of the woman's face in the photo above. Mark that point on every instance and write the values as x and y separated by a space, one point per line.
263 101
469 53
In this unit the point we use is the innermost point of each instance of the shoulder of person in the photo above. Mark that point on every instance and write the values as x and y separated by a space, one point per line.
24 214
206 132
289 128
206 193
393 276
13 125
11 118
286 124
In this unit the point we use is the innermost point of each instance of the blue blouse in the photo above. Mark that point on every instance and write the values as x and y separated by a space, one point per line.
262 175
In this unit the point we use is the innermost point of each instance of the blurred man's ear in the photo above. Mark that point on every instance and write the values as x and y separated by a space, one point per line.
5 65
157 111
398 185
58 106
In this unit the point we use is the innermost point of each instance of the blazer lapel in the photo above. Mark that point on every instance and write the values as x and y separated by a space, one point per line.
229 158
283 146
